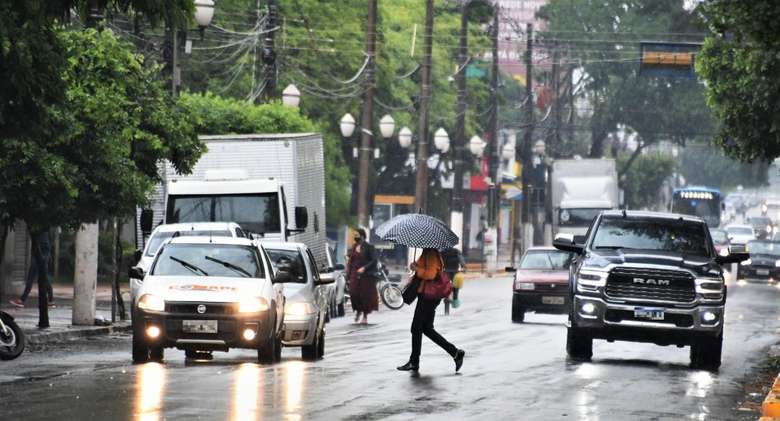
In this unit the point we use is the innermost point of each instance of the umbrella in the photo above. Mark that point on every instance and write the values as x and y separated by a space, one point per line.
417 230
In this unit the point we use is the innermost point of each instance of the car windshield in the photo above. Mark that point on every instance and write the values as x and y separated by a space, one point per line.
764 247
577 217
227 260
740 231
759 221
291 259
546 259
258 213
655 234
157 238
719 237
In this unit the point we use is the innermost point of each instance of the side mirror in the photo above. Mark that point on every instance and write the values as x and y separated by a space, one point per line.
338 266
564 244
147 221
136 273
734 257
301 217
283 276
137 255
510 269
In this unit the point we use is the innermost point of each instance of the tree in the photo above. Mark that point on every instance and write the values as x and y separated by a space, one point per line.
642 184
705 165
740 64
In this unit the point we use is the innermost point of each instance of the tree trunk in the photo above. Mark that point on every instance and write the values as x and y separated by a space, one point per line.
85 279
43 279
631 160
117 263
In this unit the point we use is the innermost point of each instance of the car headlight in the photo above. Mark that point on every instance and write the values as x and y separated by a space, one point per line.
252 305
746 262
298 309
724 251
768 228
526 286
777 264
151 302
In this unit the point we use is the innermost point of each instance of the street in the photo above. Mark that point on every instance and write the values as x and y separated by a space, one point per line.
512 371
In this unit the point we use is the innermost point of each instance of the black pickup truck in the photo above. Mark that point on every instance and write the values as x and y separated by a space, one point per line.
647 277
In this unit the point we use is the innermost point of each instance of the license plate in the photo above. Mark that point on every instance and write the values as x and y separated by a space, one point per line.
199 326
649 313
762 272
553 300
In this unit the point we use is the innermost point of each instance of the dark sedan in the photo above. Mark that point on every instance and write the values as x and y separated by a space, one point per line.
541 283
764 261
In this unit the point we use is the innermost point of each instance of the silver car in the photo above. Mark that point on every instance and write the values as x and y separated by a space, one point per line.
337 290
306 294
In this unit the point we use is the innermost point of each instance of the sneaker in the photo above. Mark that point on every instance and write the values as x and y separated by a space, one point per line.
459 359
16 302
455 303
410 366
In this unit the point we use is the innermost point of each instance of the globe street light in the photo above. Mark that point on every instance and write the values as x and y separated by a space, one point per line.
441 140
476 146
204 12
405 137
387 126
291 96
347 125
508 151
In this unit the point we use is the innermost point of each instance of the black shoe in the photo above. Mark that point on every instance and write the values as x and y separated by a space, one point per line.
408 367
459 359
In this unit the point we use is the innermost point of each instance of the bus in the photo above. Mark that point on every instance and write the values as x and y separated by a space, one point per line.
704 202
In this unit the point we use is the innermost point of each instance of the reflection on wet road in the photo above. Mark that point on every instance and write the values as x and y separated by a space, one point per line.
512 371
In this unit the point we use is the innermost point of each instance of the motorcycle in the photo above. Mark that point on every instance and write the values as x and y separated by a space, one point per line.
389 291
11 337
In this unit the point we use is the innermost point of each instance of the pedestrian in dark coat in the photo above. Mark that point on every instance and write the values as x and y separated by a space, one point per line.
361 272
427 269
453 262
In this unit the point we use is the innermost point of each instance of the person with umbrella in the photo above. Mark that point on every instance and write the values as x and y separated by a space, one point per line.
361 273
432 235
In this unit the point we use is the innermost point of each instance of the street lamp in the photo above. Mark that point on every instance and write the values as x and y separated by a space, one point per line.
204 12
405 137
508 151
476 146
441 140
347 125
539 147
291 96
387 126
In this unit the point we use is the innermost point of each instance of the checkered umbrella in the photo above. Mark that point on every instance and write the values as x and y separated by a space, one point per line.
417 230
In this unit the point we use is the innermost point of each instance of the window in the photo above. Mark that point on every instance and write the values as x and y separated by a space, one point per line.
254 212
232 261
577 217
546 260
157 239
291 259
652 234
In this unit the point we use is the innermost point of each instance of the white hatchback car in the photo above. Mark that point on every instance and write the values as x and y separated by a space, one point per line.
740 234
162 233
206 294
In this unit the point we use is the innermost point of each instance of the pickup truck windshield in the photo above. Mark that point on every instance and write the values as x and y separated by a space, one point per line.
577 217
208 260
257 213
652 234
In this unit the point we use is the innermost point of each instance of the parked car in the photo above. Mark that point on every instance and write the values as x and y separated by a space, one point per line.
740 235
541 282
306 296
764 261
337 297
163 233
763 226
205 294
720 239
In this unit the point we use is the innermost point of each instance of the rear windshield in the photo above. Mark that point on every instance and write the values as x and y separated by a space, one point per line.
156 240
291 259
654 234
764 247
719 237
759 221
208 260
740 230
546 259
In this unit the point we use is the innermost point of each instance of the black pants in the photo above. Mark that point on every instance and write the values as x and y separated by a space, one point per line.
32 277
422 323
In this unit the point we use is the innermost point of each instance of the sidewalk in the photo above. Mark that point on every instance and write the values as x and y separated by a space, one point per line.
60 318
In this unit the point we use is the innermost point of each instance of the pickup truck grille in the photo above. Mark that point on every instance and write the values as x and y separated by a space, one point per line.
651 285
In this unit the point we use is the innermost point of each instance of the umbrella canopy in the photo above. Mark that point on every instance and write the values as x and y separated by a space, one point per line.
417 230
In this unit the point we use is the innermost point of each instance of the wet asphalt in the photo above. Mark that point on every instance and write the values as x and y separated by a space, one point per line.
511 371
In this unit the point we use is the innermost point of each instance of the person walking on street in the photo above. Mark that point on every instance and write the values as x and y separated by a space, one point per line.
32 273
453 263
427 269
361 272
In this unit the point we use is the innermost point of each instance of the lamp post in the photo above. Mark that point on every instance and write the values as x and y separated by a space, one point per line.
405 137
204 12
291 96
476 146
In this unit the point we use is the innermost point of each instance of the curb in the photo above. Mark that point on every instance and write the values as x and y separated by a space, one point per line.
45 337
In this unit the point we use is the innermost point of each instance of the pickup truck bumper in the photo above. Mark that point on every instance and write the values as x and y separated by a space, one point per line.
680 326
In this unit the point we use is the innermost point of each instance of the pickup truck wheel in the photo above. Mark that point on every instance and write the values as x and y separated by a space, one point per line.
706 353
579 345
518 312
140 350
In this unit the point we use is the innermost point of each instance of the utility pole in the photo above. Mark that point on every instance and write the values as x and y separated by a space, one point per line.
421 186
556 145
523 153
367 119
493 161
456 214
269 54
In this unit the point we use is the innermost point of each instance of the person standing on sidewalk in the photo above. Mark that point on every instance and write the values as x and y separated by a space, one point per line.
453 263
32 273
427 269
361 272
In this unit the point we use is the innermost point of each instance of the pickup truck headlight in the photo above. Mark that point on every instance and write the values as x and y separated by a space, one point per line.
298 309
746 262
525 286
151 302
724 251
252 305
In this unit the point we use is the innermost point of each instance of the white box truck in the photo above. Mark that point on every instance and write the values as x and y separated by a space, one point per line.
273 185
581 188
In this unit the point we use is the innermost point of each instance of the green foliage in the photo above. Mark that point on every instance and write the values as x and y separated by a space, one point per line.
642 184
740 64
704 165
